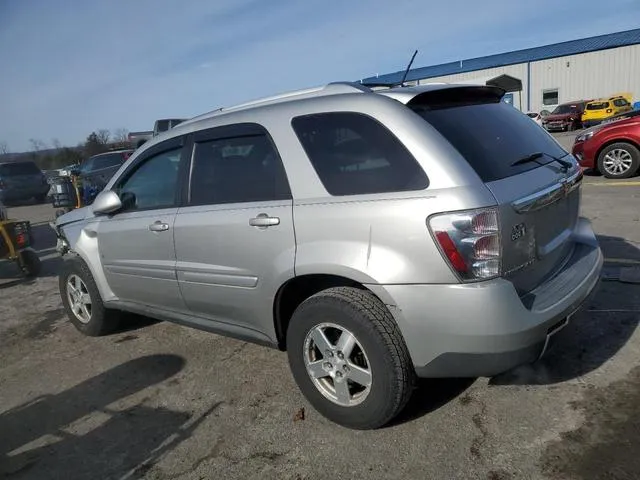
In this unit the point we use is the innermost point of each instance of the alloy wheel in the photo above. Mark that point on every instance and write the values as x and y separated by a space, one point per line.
337 364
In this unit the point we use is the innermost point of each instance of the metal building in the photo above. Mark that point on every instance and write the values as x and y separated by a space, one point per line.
583 69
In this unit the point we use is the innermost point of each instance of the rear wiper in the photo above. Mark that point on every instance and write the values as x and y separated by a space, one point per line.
533 157
529 158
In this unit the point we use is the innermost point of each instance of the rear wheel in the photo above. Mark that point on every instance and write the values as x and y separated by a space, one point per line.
619 160
82 301
349 358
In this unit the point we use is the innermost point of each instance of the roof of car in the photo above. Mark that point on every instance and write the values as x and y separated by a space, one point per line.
401 93
352 90
122 150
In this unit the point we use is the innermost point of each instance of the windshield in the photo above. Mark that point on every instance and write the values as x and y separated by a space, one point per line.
562 109
491 136
19 168
101 161
597 105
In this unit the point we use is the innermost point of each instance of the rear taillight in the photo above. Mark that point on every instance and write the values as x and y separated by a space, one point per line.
470 242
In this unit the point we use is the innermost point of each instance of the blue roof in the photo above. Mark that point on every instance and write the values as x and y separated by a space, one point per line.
573 47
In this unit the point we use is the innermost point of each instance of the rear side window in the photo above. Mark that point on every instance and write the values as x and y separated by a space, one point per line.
597 105
354 154
19 168
239 169
491 136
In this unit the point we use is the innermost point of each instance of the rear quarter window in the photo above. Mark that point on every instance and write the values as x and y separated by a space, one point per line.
354 154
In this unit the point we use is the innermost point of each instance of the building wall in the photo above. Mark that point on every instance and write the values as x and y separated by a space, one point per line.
588 75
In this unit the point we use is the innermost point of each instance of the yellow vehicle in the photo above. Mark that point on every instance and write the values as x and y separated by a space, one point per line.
15 244
598 110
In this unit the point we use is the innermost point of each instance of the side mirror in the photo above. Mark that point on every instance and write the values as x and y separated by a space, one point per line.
107 202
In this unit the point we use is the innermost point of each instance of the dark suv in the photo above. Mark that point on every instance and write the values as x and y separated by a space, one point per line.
565 117
20 181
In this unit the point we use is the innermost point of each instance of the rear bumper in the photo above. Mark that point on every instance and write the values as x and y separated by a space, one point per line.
483 329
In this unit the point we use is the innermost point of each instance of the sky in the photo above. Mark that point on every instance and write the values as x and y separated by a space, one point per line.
68 67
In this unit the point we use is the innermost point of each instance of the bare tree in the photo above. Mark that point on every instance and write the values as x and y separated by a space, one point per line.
103 136
56 143
4 147
121 135
37 144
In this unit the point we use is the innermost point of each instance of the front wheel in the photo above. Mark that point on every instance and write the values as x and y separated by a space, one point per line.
619 160
349 358
82 301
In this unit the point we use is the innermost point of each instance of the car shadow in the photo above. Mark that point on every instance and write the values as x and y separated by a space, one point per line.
597 332
79 433
430 395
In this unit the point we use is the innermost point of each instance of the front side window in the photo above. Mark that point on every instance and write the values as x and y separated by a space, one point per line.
236 170
354 154
153 184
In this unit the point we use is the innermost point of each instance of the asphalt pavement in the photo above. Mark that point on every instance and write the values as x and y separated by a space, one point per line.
161 401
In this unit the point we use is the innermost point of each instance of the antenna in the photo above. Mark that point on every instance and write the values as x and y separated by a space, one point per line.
406 72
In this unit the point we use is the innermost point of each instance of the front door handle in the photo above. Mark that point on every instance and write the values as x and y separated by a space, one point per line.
264 220
159 226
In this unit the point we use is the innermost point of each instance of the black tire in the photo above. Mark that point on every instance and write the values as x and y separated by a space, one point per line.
392 373
632 150
31 264
102 321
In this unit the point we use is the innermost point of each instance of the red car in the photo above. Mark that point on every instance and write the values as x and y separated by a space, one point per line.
612 148
565 117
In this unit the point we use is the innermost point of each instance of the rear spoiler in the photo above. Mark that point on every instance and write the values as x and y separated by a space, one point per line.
445 95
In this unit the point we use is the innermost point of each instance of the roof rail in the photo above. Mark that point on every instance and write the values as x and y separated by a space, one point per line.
333 88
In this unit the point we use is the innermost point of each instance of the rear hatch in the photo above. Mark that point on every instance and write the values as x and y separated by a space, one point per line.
535 182
21 175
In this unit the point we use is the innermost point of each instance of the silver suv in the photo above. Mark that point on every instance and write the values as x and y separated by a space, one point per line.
377 237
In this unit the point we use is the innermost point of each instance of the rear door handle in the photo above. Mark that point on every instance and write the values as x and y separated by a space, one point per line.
159 226
264 220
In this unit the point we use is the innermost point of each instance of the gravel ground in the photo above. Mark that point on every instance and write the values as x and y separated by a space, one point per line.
161 401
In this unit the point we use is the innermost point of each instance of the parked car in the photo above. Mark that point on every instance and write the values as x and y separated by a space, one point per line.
536 117
96 171
612 148
565 117
598 110
357 230
138 139
21 181
160 126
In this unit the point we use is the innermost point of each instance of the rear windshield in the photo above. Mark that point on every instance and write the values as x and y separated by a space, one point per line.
597 106
492 136
19 168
